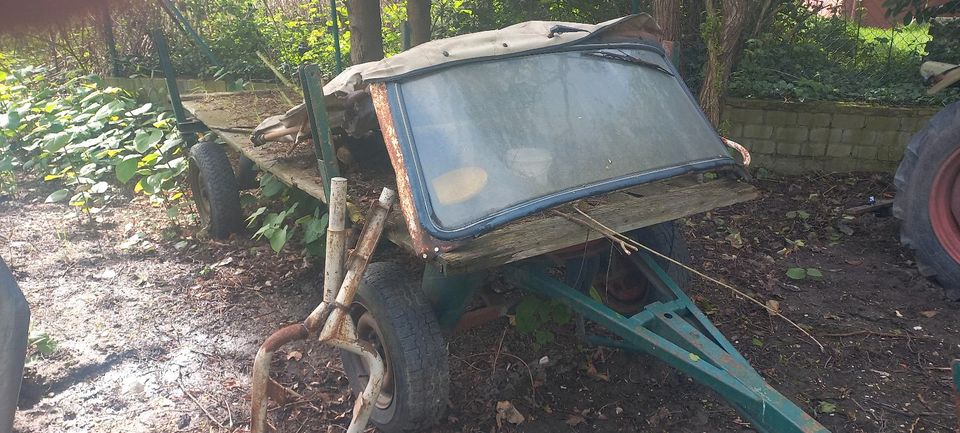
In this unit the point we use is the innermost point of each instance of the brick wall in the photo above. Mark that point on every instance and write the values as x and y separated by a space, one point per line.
792 138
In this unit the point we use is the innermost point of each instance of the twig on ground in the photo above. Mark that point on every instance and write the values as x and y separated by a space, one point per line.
226 404
197 402
866 332
533 387
493 368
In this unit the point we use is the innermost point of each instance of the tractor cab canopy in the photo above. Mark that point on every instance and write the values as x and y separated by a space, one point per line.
489 127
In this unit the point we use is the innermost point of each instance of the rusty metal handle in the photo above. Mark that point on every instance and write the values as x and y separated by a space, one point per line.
339 290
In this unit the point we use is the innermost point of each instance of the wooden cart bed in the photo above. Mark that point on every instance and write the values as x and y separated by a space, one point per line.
232 116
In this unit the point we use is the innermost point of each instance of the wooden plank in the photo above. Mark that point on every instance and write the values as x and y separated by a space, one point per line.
304 177
623 211
220 116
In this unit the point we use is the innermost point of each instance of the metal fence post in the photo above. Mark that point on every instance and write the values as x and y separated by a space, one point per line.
184 25
405 35
335 32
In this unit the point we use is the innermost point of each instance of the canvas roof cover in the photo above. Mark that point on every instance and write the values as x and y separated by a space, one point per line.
518 38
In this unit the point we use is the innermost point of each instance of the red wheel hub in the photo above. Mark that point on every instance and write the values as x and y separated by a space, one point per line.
945 205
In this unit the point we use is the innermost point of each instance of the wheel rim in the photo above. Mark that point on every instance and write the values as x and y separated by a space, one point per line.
368 330
201 196
944 205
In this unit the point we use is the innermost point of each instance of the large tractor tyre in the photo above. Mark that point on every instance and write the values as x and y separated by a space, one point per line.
626 285
392 315
215 190
928 199
247 174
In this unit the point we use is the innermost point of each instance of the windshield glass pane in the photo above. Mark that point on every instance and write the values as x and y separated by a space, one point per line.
492 135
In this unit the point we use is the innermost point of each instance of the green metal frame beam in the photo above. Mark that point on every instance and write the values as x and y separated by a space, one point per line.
188 127
450 294
674 330
311 80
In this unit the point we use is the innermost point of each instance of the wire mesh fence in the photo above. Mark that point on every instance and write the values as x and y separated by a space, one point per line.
836 52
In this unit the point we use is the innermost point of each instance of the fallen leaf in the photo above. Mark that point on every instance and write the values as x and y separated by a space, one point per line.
826 407
506 412
223 262
574 420
294 355
929 314
592 372
773 307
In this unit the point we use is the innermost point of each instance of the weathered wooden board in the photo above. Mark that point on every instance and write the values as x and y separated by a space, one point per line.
224 113
625 210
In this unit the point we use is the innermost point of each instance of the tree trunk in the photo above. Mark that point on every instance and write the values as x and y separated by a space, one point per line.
667 15
366 34
418 16
106 26
722 33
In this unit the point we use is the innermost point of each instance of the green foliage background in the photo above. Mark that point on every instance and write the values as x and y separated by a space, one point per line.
87 138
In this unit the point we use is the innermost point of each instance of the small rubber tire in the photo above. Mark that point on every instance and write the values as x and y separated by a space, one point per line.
215 190
928 151
389 305
247 174
665 238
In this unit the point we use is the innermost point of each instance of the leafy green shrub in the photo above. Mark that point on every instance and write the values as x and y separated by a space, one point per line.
803 56
533 314
294 209
87 138
944 45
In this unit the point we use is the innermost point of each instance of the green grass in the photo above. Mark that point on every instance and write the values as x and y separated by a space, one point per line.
906 39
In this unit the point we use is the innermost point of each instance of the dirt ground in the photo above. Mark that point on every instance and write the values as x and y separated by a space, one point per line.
156 329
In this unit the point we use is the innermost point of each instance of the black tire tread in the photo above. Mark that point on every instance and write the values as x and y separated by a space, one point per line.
913 170
226 216
666 238
400 308
247 174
